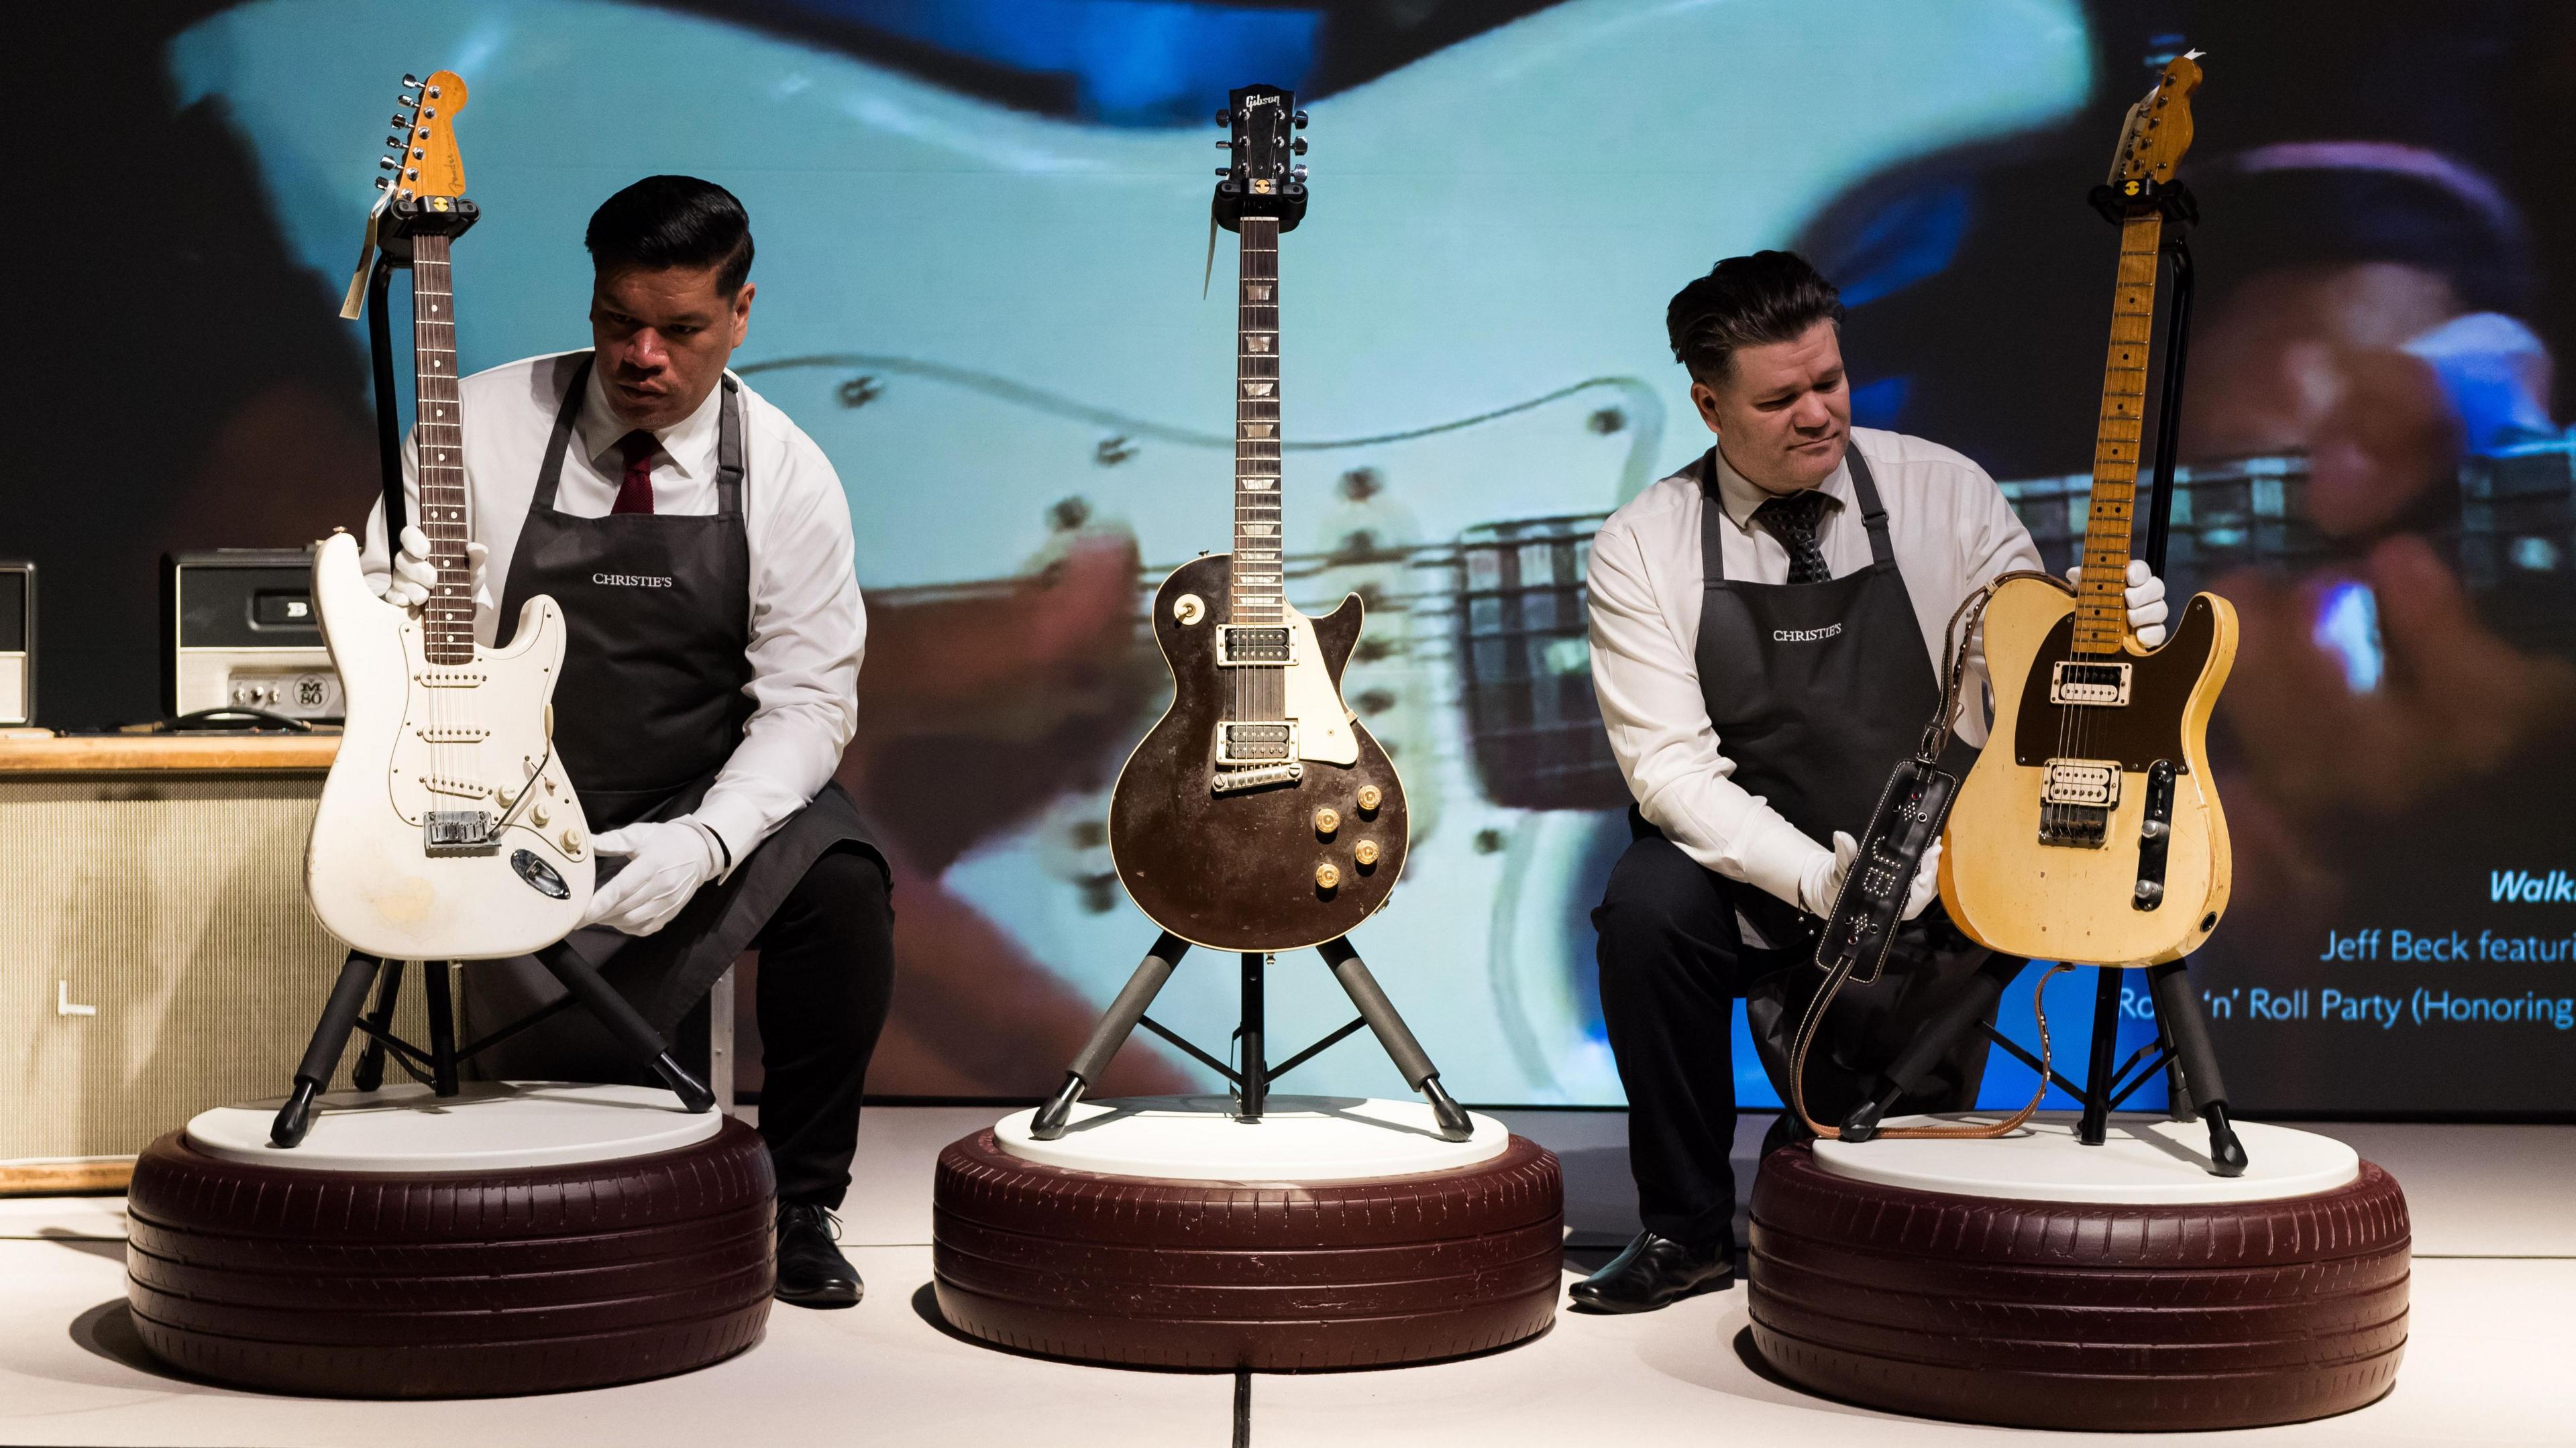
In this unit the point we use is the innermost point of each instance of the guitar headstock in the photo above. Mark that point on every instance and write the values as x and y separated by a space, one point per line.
1265 178
421 156
2158 129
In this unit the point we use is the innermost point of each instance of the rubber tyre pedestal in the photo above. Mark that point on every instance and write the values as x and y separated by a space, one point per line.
487 1284
1146 1271
2079 1315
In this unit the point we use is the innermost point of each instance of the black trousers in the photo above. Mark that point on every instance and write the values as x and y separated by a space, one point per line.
826 980
1673 961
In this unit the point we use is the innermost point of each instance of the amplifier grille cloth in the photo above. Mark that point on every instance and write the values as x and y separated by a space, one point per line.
175 905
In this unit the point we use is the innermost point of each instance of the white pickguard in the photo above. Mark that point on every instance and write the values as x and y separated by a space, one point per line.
422 737
1323 721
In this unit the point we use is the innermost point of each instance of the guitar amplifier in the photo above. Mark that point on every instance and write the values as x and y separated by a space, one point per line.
240 632
17 643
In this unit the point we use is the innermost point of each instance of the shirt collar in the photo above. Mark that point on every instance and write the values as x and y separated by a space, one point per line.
1740 495
689 444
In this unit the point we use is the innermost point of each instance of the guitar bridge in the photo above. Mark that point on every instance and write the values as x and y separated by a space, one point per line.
457 832
1253 745
2076 798
1235 781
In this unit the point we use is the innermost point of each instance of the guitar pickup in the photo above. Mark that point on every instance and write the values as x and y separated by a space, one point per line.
1248 745
2093 782
2072 681
1255 645
457 832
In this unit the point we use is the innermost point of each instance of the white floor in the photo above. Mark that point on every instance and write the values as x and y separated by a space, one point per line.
2494 1334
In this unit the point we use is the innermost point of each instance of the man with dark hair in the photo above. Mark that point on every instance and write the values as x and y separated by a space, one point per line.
1766 629
699 545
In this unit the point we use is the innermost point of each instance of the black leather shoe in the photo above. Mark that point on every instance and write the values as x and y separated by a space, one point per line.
1654 1272
811 1270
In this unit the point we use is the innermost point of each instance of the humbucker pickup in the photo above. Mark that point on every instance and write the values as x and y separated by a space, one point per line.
1239 745
2072 681
1255 645
457 832
2093 782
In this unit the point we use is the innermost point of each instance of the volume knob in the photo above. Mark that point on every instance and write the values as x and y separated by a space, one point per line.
1365 852
1327 875
1327 820
1370 798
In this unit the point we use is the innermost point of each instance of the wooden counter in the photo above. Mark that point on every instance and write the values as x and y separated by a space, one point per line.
121 753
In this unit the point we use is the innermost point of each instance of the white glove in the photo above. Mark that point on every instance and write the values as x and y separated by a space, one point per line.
2146 600
1826 873
1823 881
666 863
414 576
1927 882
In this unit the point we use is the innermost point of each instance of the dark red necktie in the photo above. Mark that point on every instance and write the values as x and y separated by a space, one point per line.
635 492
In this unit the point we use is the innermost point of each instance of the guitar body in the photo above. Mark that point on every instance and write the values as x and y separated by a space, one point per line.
425 737
1237 871
2074 903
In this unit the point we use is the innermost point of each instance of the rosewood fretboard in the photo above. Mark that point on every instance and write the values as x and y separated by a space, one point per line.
439 434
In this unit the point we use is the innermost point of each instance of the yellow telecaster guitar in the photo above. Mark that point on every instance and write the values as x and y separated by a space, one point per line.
2089 831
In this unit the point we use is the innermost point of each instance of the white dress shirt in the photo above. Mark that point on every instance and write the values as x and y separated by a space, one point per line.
1951 531
808 628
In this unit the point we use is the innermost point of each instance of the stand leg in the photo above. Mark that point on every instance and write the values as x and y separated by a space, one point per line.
1092 1061
624 1022
1394 1036
322 1054
2178 1012
2095 1126
435 976
1254 1034
369 1073
1973 1004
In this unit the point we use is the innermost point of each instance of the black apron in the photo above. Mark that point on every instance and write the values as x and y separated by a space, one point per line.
1816 690
650 706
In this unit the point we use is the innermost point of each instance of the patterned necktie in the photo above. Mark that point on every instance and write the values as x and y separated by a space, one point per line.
1792 520
635 492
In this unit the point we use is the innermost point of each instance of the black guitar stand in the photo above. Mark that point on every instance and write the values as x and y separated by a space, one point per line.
1250 1085
435 1065
2182 1046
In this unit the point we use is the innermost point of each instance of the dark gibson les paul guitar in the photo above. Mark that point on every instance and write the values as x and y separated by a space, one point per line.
1258 815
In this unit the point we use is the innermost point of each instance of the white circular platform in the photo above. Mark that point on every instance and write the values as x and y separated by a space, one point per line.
1297 1139
2146 1161
489 1126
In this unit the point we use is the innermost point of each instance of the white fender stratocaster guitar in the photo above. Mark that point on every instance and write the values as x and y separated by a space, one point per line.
447 829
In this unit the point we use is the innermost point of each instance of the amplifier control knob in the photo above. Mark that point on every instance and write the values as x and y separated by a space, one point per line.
1327 820
1370 798
1365 852
1327 875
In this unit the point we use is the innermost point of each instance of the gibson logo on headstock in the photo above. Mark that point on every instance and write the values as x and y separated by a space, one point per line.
1259 100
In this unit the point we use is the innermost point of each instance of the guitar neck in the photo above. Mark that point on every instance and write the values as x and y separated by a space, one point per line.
439 434
2101 606
1258 596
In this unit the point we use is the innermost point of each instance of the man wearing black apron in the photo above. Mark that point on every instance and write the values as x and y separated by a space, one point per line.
700 548
1766 625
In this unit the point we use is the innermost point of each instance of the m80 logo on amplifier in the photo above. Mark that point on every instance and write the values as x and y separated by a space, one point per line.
240 632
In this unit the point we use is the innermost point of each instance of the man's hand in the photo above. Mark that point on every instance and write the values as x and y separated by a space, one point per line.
415 577
667 862
1823 881
2146 602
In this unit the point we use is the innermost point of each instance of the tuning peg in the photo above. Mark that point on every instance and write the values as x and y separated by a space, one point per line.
410 81
1224 117
398 123
393 141
1298 146
1301 120
389 163
382 182
1225 145
1225 170
1297 171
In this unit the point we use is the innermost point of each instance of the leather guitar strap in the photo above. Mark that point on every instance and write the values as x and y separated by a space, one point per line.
1880 881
